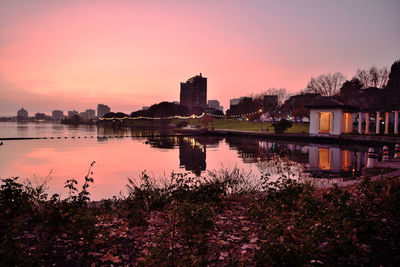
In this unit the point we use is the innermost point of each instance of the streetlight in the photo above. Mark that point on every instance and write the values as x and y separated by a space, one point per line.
260 110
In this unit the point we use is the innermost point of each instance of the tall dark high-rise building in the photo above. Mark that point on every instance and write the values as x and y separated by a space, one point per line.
194 92
102 110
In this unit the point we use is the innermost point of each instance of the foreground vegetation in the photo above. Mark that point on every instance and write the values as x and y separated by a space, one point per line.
221 219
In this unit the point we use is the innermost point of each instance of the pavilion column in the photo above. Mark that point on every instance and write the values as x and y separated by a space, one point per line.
386 122
359 122
396 122
367 123
378 116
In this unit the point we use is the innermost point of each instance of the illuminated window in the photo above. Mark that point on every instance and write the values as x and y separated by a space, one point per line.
325 122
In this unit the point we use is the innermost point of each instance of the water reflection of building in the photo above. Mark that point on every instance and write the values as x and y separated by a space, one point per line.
320 160
335 161
192 150
192 155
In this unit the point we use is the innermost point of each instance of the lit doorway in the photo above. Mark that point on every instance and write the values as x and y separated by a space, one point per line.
325 122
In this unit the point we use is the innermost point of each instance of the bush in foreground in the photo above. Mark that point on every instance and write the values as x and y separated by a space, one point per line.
213 220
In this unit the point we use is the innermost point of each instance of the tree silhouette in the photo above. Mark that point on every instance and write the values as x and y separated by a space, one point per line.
271 100
351 88
373 77
163 109
392 90
326 84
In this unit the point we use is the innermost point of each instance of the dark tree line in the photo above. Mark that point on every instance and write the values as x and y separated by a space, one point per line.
163 109
373 89
331 84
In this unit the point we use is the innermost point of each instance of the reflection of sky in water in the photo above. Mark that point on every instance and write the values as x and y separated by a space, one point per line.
120 158
28 129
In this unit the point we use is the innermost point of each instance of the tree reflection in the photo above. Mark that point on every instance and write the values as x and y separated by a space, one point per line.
317 160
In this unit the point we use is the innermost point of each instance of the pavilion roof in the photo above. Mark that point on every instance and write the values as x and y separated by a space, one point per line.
329 103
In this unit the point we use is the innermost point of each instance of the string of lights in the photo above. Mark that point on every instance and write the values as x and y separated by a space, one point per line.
181 117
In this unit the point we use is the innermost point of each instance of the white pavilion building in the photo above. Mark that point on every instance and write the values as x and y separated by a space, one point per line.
330 117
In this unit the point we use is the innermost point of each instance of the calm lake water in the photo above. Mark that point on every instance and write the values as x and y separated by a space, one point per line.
72 149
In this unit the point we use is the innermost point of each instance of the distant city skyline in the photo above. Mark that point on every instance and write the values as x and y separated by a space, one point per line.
72 55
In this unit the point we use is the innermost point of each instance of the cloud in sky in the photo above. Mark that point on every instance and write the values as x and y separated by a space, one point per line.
75 54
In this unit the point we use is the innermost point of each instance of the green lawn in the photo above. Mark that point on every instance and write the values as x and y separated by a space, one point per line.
253 126
226 124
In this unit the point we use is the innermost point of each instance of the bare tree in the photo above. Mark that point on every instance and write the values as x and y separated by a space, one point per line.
271 100
281 93
373 77
326 84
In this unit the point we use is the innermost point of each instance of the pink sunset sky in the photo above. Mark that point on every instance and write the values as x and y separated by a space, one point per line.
128 54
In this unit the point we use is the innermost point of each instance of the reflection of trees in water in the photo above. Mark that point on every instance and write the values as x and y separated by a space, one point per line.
163 142
107 131
272 158
130 132
247 148
253 150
